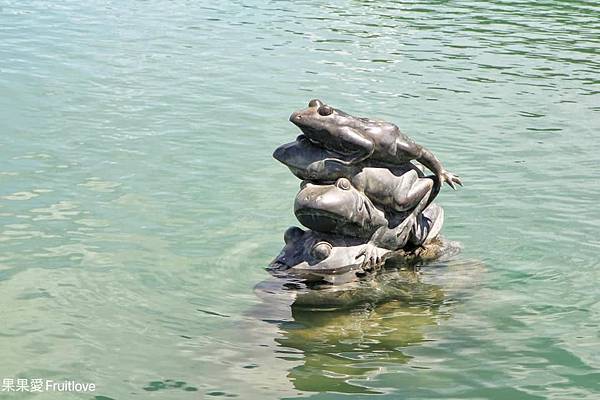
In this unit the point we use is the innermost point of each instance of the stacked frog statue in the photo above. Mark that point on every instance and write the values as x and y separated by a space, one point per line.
362 198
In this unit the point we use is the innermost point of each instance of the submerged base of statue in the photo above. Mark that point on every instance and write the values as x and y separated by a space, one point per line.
344 267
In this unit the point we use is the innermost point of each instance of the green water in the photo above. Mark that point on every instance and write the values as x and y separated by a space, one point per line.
139 203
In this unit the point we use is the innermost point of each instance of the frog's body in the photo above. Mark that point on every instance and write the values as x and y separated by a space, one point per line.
316 256
338 208
396 187
356 136
342 209
322 257
357 139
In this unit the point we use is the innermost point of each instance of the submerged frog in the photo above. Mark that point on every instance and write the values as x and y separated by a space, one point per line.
358 139
317 256
312 256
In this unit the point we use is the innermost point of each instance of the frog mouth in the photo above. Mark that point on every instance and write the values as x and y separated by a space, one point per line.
311 132
331 152
303 152
326 221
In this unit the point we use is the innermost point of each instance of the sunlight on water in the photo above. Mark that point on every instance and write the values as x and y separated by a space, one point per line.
140 204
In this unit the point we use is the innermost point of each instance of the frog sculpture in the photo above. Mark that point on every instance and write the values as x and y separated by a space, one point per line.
363 199
357 139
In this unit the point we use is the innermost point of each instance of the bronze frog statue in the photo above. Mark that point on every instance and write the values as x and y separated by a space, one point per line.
364 198
397 187
357 139
341 209
336 259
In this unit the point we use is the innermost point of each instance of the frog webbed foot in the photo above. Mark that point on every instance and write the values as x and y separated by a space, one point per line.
373 256
451 179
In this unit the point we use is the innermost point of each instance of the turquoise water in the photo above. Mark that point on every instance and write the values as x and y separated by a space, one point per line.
139 203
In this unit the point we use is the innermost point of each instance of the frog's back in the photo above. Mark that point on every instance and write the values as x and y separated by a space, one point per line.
375 125
390 143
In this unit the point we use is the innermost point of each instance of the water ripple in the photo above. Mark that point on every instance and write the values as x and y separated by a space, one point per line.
140 202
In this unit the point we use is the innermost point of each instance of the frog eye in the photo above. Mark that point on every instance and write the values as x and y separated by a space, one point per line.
343 184
315 103
325 110
291 234
321 250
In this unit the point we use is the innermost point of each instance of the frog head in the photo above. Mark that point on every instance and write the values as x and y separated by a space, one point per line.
337 208
307 161
315 256
325 125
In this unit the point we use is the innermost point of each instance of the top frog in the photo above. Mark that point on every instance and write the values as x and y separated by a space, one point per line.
358 139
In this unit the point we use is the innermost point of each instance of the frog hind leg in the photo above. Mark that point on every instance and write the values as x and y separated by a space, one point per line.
410 191
427 226
408 230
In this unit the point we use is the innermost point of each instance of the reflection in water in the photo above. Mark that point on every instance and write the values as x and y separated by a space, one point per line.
169 384
340 347
365 326
138 188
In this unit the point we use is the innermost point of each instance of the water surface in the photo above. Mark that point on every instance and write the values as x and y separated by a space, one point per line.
139 203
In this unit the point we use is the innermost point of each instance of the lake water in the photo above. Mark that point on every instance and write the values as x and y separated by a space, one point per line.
139 203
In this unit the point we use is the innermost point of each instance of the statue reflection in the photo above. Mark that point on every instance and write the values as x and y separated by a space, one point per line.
364 330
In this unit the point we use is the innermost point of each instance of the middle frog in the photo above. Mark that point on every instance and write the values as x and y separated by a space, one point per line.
341 209
395 187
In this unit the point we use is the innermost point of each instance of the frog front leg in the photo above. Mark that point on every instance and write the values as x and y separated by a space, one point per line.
355 145
373 255
428 159
382 239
